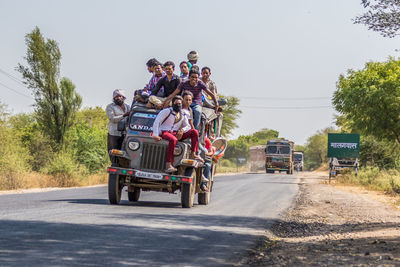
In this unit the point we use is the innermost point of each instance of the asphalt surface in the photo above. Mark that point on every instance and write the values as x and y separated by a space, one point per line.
79 227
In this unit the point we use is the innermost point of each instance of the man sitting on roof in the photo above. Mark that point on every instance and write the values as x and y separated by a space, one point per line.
170 81
158 74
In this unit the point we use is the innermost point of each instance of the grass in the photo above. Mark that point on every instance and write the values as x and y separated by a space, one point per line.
387 181
28 180
231 169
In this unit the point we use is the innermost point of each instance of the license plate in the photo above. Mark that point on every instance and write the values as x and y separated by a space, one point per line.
149 175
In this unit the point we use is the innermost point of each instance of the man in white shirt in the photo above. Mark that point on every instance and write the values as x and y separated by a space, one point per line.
116 112
168 126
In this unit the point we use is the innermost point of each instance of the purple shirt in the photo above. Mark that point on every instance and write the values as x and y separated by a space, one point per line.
154 80
196 90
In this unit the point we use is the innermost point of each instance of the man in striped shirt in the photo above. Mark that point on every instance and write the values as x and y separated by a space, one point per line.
158 74
196 87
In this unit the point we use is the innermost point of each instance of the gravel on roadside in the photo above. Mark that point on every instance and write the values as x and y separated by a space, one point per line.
329 227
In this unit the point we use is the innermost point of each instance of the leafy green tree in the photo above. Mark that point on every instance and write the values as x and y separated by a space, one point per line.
369 100
56 99
94 117
381 16
316 149
231 113
376 153
35 143
240 146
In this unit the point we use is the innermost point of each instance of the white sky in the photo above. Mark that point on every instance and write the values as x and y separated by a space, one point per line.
262 51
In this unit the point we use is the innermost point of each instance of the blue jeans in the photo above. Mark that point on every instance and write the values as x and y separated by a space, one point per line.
207 169
197 109
206 172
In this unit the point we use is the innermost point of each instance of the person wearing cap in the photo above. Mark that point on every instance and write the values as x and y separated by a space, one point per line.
193 56
116 112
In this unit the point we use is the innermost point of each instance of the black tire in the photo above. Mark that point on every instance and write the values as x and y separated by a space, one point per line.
115 186
188 192
204 198
134 196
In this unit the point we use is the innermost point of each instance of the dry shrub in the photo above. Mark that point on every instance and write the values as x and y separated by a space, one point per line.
64 170
95 179
10 180
387 181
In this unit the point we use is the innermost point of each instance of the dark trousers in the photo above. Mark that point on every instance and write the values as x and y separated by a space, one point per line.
114 142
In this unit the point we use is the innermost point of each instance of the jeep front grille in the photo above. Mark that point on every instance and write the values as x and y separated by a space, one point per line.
153 157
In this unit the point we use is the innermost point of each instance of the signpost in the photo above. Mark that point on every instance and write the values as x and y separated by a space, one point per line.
343 152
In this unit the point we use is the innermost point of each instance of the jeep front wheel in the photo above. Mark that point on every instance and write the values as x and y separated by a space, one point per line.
115 186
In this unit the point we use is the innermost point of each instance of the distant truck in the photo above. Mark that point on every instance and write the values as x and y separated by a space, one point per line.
298 161
279 156
139 165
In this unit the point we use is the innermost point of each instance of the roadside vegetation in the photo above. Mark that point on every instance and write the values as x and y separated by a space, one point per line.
368 102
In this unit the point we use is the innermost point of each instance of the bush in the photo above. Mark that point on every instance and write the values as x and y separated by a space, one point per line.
13 159
64 169
89 146
373 178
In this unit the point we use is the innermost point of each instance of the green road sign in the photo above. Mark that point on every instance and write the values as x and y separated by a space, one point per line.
341 145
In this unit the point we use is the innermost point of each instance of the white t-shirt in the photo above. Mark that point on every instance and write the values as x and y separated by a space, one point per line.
187 116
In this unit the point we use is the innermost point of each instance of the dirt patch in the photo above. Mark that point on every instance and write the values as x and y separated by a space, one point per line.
329 226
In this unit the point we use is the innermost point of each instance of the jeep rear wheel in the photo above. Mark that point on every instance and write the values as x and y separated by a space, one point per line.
115 185
134 196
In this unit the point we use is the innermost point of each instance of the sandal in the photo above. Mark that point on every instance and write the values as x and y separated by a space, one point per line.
204 188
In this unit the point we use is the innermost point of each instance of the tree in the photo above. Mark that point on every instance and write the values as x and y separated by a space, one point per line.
230 112
369 100
383 16
316 148
56 99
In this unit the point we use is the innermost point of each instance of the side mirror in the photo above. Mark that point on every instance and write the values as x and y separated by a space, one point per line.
222 102
121 125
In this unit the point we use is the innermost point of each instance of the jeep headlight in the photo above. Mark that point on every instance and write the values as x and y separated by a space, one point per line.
178 150
133 145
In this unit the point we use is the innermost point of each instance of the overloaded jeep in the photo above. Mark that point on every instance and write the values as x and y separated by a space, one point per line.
140 163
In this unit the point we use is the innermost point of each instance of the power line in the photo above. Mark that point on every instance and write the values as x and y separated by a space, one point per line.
292 108
15 91
12 77
284 98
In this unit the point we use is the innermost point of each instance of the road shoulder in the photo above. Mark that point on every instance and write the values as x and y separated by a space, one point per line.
331 226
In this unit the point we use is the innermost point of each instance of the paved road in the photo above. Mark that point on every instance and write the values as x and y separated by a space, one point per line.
78 227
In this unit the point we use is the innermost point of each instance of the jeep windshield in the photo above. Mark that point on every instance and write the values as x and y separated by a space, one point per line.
141 121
